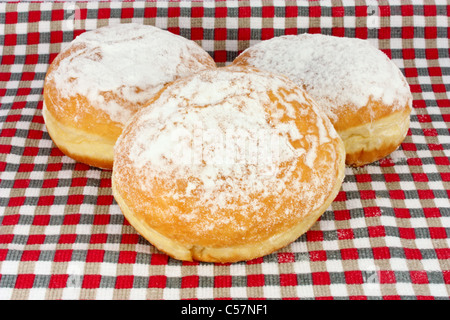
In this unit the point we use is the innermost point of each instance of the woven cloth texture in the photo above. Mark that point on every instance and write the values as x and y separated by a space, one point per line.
386 235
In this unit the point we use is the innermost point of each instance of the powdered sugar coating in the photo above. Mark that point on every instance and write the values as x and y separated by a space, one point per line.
224 150
334 71
128 62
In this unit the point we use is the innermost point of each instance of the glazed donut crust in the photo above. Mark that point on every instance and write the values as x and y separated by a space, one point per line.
250 233
375 140
219 254
76 111
88 140
371 132
85 129
79 145
86 136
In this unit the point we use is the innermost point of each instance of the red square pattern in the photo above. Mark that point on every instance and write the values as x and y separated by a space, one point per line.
255 280
95 255
337 11
11 17
291 11
71 219
33 38
268 11
397 194
24 281
10 39
386 276
35 239
318 255
267 33
349 254
101 219
127 13
345 234
314 235
446 275
432 212
105 13
159 259
222 281
197 12
419 277
67 238
58 281
372 212
442 253
3 254
342 214
363 177
425 194
321 278
62 255
376 231
220 34
127 257
221 12
10 220
75 199
98 238
245 12
315 11
91 281
124 282
412 253
353 277
407 233
6 238
407 10
341 196
430 10
288 279
41 220
431 32
130 238
381 253
190 281
157 281
409 53
30 255
34 16
438 233
58 14
196 34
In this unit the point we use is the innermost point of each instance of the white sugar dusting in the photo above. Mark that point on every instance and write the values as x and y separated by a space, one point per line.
131 61
220 132
334 71
231 137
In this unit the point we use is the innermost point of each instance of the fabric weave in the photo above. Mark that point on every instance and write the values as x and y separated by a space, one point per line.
386 235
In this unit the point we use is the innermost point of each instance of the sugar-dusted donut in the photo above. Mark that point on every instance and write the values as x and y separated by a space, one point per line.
103 77
361 90
226 165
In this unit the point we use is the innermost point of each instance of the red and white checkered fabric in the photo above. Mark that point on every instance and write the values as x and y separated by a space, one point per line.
386 235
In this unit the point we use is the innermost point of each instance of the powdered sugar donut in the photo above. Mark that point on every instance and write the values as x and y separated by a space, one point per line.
103 77
361 90
227 165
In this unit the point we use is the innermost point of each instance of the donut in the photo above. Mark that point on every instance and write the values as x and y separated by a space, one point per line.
360 89
227 165
99 80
